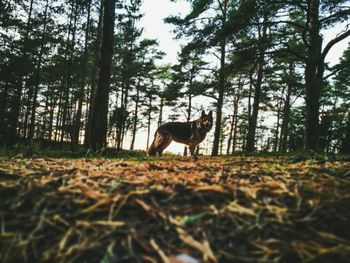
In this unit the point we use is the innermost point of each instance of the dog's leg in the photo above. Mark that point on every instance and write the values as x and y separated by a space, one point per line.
197 150
193 151
163 143
153 148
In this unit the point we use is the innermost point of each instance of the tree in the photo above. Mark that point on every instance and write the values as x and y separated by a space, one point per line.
317 16
100 111
147 54
83 74
261 48
209 24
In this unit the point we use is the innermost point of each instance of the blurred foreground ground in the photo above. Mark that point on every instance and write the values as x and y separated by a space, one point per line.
224 209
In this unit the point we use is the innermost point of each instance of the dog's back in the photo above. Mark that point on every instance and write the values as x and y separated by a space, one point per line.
179 131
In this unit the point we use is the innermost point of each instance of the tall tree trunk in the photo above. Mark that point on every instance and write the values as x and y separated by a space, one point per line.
220 101
37 75
67 73
249 115
58 118
286 111
189 108
16 101
345 147
51 117
313 78
234 115
230 135
77 119
277 132
94 80
149 118
3 107
330 132
100 113
161 106
135 114
250 147
221 86
234 140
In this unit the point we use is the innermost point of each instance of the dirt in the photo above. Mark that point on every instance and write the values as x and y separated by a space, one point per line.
224 209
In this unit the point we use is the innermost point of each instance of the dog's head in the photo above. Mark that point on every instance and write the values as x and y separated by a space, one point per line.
206 120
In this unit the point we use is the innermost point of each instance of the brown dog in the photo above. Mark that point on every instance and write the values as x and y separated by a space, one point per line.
190 133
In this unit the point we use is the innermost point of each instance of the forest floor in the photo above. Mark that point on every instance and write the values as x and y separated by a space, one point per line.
224 209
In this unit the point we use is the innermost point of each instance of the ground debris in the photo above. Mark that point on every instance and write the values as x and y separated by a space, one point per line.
223 209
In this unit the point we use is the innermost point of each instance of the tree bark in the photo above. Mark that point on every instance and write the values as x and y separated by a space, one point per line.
221 86
77 119
277 132
94 81
234 118
149 118
3 107
135 115
313 77
100 113
286 112
189 108
345 147
37 76
250 147
67 73
16 101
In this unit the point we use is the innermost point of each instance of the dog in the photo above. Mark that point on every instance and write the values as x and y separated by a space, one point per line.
191 133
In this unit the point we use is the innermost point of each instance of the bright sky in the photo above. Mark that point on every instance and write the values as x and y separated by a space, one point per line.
155 11
154 27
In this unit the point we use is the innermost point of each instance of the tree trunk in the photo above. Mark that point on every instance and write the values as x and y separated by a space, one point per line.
100 113
234 140
313 78
37 76
68 69
149 118
77 119
220 101
160 119
3 107
286 112
58 118
135 115
94 80
51 117
234 115
189 108
230 135
221 86
251 83
345 147
277 132
16 101
250 147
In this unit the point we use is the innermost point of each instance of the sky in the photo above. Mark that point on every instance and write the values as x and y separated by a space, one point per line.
154 27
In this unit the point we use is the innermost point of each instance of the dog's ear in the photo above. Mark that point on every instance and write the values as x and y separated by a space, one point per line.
203 114
210 114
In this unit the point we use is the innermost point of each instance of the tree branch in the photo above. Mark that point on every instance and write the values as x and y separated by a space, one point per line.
337 68
333 42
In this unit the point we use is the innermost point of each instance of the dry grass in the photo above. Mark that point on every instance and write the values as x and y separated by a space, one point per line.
225 209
